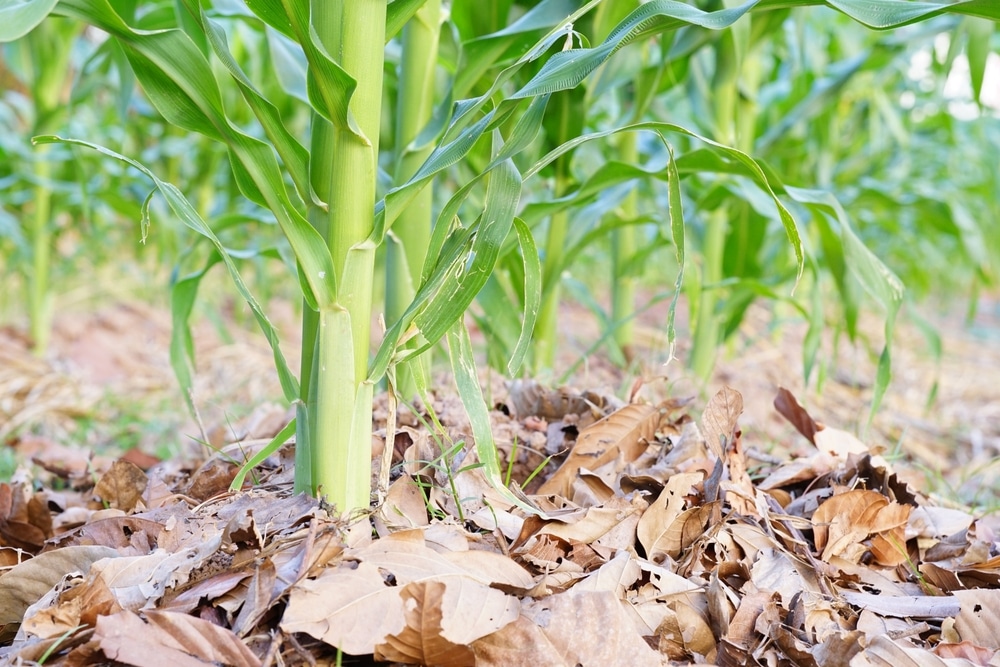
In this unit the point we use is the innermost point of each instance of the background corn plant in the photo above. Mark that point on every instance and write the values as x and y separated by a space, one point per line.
503 106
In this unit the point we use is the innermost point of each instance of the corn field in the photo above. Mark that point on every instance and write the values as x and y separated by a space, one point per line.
417 161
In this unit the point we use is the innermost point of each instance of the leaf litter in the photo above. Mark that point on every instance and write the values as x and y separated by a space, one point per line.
664 540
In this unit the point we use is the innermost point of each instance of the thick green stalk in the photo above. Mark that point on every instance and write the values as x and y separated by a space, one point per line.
47 49
707 322
39 298
555 243
623 247
353 32
411 233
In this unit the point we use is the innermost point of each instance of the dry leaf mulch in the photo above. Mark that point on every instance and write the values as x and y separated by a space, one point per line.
659 539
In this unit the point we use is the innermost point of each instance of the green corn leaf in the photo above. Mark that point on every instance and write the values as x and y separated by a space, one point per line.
398 13
187 214
737 159
271 447
466 258
180 83
532 294
183 294
980 32
17 18
330 87
481 53
468 277
675 212
293 154
273 14
463 366
877 279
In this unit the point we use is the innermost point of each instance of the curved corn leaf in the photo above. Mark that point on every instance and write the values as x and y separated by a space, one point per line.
532 294
179 82
187 214
737 159
463 366
330 87
293 154
398 13
880 282
465 259
18 18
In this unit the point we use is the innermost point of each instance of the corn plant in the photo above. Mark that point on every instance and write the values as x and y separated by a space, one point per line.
320 184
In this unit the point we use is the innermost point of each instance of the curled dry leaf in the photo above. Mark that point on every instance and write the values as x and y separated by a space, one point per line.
788 407
443 618
845 521
24 584
122 486
656 531
25 523
625 433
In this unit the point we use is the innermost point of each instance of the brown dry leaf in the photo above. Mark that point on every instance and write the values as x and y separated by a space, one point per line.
967 651
930 522
358 606
718 423
520 644
839 443
130 535
122 486
529 398
25 522
979 618
615 576
169 639
26 583
409 559
585 628
904 606
210 589
260 594
351 609
655 527
697 633
589 526
404 507
885 652
845 520
789 408
443 619
212 479
742 629
623 434
134 582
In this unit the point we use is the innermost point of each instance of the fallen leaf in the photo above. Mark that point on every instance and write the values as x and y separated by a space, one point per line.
169 639
586 628
625 433
122 486
655 526
353 609
720 418
443 618
979 617
24 584
788 407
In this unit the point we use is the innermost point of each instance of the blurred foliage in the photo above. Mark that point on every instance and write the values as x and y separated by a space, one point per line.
885 120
